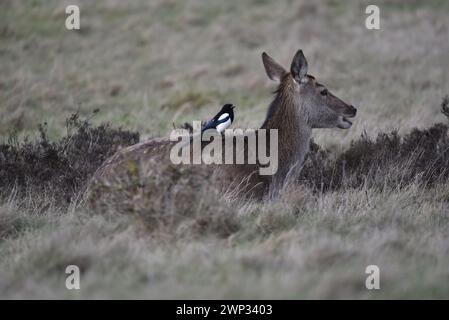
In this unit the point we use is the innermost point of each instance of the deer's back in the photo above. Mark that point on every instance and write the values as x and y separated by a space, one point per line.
149 158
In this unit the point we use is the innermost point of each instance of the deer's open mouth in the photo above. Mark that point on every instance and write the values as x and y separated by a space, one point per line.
344 123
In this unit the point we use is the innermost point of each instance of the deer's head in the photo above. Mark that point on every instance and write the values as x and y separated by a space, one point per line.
311 100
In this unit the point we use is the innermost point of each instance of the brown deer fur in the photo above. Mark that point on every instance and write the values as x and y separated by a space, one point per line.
300 104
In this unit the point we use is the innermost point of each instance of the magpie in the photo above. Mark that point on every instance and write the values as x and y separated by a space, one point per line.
222 120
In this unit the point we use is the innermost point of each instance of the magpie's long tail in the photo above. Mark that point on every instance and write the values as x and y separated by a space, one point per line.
208 125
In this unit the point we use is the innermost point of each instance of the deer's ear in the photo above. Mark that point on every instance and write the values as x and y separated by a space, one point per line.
299 66
273 69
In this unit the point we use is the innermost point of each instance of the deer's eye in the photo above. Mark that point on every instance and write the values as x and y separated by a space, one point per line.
324 92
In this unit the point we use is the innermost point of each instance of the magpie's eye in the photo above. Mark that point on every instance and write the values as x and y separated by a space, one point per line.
324 92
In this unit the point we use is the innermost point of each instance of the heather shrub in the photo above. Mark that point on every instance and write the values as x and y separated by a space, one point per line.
58 169
387 161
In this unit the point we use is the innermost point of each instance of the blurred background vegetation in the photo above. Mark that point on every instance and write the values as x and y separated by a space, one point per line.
147 64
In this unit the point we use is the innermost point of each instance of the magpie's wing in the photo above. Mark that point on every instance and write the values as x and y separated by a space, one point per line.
223 120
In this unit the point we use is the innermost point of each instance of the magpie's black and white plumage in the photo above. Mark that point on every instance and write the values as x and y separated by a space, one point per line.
222 120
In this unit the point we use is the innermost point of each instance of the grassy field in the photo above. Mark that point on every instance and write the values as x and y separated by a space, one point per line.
148 64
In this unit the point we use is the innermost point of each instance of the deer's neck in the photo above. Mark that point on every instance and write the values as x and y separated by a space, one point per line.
293 134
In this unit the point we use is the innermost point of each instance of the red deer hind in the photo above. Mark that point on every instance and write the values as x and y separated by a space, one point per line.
300 104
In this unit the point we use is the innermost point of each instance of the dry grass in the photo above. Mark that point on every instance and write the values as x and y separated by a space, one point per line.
311 247
147 65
